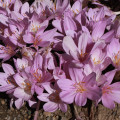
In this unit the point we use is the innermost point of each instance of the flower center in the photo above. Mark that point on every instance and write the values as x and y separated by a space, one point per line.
35 28
116 59
54 97
106 90
96 62
37 76
80 87
7 50
10 80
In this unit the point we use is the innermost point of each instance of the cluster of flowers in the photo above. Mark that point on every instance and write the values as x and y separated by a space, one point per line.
58 52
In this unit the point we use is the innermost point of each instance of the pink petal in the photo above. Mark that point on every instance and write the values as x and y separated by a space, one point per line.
63 107
38 90
19 103
65 84
3 79
108 101
77 7
108 36
100 14
76 74
31 103
44 97
19 80
90 79
70 47
110 75
65 4
113 47
48 34
82 44
80 99
6 87
68 96
69 24
20 93
93 93
28 38
3 19
8 69
50 107
57 24
48 87
38 62
98 30
25 8
116 96
17 5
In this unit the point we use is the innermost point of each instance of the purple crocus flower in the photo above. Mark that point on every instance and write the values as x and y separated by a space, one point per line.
52 98
79 88
110 92
113 51
41 38
39 74
6 52
24 90
78 53
7 81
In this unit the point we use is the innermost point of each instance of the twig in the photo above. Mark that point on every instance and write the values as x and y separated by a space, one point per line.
117 13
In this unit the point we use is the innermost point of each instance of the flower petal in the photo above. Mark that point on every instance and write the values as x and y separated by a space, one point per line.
65 84
70 47
80 99
19 103
8 69
50 107
68 96
44 97
108 101
63 107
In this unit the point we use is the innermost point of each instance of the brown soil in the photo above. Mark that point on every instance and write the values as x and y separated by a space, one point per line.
89 112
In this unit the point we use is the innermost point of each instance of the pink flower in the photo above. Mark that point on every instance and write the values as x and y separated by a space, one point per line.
21 64
39 74
78 53
6 3
99 57
18 30
28 53
7 81
89 68
6 52
41 38
113 51
24 90
58 73
52 98
110 92
79 88
98 30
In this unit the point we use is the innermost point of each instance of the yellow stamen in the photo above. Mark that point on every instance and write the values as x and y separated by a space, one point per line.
37 76
80 87
116 59
8 50
96 62
82 55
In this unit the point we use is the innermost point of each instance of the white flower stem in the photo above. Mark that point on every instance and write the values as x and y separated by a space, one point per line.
117 13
